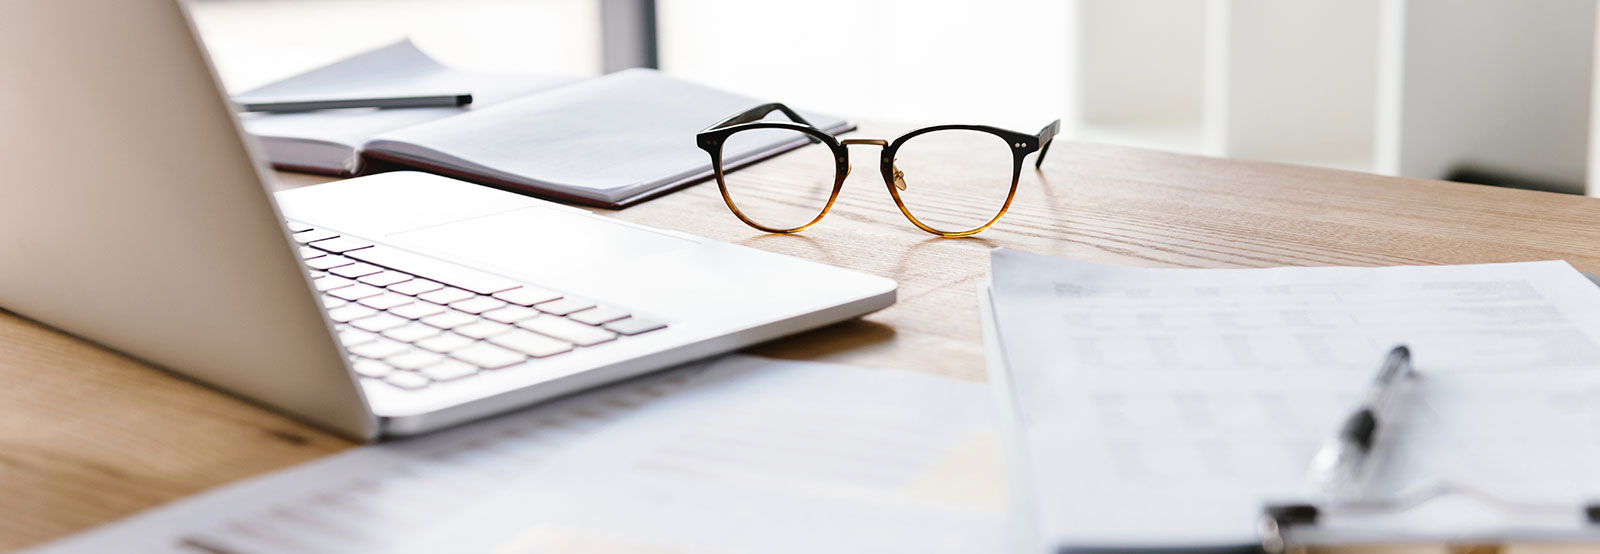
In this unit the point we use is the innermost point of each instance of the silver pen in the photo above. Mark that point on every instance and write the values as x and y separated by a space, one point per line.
314 104
1342 458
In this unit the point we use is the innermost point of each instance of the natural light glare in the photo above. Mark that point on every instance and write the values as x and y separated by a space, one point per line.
1003 62
254 42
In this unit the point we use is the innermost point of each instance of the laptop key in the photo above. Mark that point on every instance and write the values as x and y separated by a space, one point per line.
564 306
570 331
352 337
414 360
482 329
329 302
313 235
417 310
296 227
527 295
379 323
387 300
635 325
597 316
446 295
356 292
438 270
445 343
330 282
532 344
371 368
407 380
355 270
350 313
488 356
307 252
412 333
449 370
385 278
340 245
478 304
381 348
450 319
415 287
325 263
510 314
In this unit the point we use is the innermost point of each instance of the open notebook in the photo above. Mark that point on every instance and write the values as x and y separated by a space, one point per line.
607 141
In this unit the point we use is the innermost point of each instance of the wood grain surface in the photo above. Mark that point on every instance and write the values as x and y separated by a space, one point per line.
88 436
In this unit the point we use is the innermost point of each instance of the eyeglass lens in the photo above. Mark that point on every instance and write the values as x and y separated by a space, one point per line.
954 180
791 190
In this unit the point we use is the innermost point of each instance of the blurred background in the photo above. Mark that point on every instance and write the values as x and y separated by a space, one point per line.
1487 91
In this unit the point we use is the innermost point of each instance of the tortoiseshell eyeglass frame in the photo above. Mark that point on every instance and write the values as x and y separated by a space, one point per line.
712 139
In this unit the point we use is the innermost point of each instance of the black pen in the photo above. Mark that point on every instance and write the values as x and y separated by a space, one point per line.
1342 458
314 104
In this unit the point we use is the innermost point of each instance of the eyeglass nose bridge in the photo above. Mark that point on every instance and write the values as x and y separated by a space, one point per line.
874 142
898 176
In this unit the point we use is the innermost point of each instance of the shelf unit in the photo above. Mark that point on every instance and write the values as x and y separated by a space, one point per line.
1420 88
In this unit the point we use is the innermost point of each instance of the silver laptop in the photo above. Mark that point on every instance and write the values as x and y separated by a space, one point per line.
133 214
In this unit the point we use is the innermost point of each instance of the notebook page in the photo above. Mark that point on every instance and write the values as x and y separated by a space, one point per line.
320 138
1162 407
605 139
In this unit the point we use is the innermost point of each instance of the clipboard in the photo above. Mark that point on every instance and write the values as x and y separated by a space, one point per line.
1294 528
1309 523
1516 520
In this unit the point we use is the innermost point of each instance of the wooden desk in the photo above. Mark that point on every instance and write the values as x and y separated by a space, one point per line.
87 436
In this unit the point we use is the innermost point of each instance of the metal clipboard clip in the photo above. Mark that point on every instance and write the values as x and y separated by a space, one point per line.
1292 528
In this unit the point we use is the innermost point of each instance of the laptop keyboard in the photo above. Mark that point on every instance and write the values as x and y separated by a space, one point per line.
411 321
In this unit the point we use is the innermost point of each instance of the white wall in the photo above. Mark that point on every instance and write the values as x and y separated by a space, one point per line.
1300 81
1141 75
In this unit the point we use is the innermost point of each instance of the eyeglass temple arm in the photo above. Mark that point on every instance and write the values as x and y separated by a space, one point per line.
758 113
1046 136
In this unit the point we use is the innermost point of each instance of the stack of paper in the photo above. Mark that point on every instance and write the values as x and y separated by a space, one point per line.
1159 408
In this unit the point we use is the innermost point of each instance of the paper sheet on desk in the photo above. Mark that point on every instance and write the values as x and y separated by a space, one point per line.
377 498
760 459
737 414
1161 407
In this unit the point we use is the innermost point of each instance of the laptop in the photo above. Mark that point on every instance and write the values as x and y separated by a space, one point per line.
133 213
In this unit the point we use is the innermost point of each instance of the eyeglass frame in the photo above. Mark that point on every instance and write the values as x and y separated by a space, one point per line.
714 137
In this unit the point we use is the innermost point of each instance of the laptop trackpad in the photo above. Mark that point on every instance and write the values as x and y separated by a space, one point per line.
538 243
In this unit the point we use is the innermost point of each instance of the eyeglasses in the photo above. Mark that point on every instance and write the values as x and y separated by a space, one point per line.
949 180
